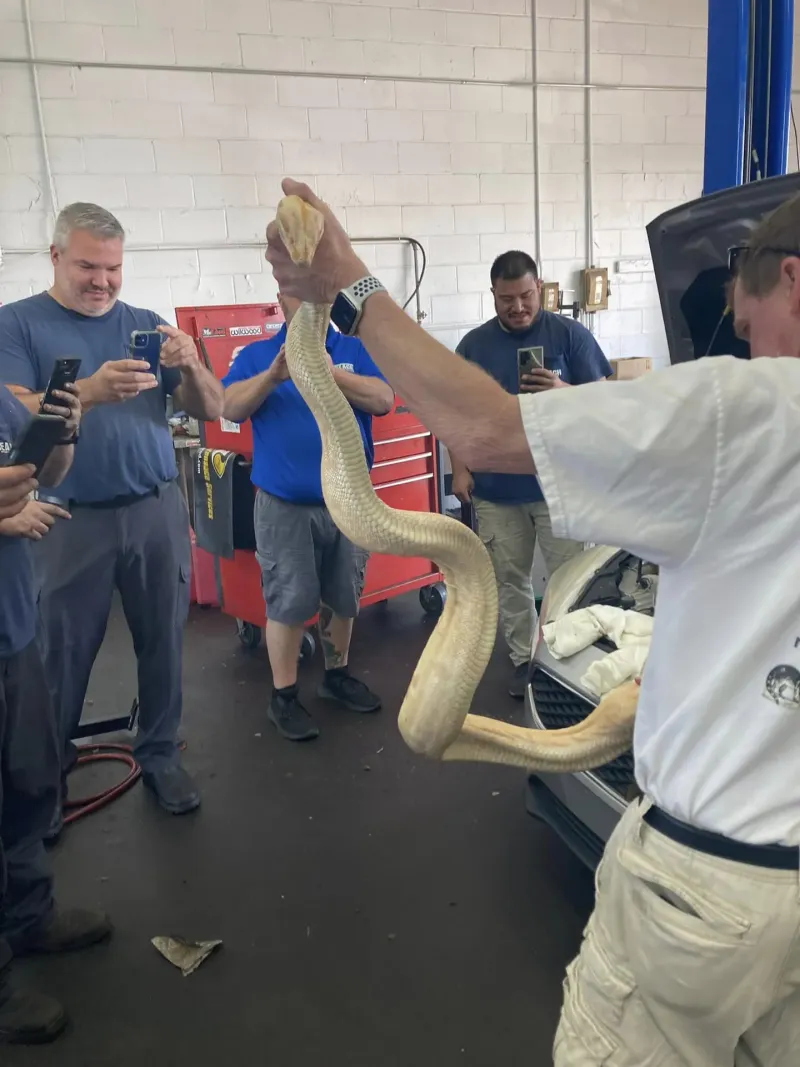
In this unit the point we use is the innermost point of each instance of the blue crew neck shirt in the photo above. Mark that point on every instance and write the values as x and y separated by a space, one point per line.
17 589
568 349
124 449
287 447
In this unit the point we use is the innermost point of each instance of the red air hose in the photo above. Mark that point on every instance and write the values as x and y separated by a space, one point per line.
77 809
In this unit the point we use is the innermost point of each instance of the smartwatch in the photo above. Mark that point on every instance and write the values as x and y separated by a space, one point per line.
348 306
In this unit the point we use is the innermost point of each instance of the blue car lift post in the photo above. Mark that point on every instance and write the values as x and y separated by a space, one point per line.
748 91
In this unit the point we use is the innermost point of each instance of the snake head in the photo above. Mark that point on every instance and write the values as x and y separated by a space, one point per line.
300 227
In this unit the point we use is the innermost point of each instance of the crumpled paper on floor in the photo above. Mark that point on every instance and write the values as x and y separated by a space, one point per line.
187 956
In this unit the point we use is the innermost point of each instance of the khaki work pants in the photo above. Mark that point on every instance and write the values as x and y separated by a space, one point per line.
509 531
687 961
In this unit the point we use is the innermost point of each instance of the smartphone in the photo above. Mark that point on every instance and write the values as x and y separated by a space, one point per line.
36 442
146 344
65 372
530 359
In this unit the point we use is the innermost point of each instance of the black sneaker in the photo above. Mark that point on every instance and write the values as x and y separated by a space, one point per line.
289 717
350 692
519 682
28 1018
173 787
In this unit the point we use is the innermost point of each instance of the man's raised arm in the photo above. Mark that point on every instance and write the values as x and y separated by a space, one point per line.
465 408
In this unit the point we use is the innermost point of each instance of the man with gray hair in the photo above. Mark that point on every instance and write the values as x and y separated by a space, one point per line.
129 528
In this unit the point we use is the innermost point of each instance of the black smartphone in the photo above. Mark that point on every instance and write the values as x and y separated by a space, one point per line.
65 372
530 359
36 442
146 344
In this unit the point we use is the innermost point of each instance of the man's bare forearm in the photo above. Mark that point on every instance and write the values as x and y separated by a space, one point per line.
200 395
243 399
58 464
27 397
459 468
370 395
464 407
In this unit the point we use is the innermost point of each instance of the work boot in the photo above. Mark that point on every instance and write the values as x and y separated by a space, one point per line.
519 682
65 931
29 1018
173 787
350 692
289 717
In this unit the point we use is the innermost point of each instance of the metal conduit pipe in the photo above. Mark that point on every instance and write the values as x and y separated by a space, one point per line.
588 107
343 76
535 136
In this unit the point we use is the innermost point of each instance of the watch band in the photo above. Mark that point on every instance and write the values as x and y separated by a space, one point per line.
348 306
71 440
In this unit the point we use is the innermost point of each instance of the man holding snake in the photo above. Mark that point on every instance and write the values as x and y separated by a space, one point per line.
692 955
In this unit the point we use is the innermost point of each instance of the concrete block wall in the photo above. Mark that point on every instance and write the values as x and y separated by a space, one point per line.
402 142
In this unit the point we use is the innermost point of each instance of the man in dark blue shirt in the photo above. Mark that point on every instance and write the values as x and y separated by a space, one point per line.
129 527
29 753
510 508
306 564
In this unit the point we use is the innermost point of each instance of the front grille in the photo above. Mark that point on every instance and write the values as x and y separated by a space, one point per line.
576 835
558 707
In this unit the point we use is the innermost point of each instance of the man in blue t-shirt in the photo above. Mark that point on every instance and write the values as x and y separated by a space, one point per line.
29 752
306 563
129 527
510 509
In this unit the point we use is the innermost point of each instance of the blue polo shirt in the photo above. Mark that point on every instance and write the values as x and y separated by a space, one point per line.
568 349
287 447
123 448
17 588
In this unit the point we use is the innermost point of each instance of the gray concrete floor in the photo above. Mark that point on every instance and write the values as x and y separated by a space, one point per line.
375 909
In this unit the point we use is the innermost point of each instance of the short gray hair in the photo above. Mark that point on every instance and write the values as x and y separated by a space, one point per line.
89 217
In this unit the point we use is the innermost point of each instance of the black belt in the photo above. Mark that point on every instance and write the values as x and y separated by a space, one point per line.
776 857
123 501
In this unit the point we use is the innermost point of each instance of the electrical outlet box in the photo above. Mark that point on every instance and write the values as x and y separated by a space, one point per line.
551 295
595 289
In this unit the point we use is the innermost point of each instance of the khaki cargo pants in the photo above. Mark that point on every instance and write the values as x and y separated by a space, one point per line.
687 961
509 531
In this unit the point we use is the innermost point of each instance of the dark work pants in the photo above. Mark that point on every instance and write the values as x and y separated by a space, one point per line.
29 784
143 550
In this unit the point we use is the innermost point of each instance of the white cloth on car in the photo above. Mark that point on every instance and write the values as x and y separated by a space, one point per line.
614 669
579 629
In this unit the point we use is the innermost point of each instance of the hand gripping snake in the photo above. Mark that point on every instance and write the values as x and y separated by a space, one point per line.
434 718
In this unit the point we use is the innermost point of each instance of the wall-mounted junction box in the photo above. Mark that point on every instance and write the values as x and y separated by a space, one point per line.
595 289
551 295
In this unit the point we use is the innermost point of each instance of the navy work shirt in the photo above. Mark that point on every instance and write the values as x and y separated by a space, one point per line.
17 589
568 349
124 448
287 447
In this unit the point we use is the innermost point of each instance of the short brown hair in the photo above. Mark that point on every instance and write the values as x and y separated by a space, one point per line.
759 268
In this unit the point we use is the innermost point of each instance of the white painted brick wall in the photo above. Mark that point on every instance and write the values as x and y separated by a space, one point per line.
196 157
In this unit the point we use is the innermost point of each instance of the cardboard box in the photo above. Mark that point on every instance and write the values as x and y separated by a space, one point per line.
626 369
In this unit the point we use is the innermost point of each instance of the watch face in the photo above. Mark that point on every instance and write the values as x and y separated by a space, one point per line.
344 314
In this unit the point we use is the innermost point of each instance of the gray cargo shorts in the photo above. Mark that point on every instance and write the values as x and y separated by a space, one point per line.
305 561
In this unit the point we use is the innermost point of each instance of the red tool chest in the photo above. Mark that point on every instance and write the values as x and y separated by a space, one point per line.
406 472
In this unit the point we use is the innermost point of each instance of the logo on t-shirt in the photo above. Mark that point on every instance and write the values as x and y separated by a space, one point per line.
346 366
782 687
5 447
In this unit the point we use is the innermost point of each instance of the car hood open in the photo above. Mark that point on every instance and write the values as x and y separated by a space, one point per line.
689 245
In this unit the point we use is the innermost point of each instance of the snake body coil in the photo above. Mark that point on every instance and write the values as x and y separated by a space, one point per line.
434 719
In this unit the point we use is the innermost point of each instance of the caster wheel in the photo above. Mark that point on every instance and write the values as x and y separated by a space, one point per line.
432 598
308 647
249 635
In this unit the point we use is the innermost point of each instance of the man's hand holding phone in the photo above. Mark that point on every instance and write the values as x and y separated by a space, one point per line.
116 381
540 380
68 408
16 485
178 350
36 518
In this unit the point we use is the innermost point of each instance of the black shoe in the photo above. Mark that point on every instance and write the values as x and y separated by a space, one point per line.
173 787
350 692
28 1018
519 683
289 717
65 931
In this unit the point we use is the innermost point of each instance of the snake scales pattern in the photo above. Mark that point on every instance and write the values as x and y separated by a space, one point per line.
434 719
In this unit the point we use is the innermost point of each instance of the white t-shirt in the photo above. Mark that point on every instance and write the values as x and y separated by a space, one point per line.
697 469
